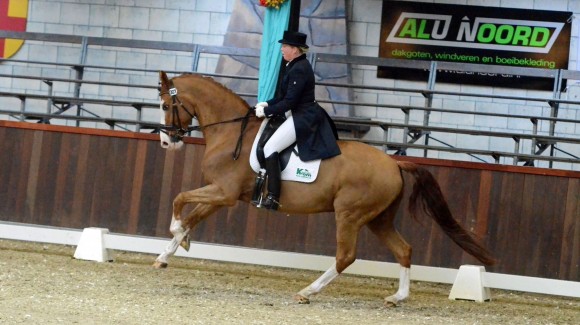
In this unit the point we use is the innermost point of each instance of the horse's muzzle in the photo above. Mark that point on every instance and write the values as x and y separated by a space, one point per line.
171 141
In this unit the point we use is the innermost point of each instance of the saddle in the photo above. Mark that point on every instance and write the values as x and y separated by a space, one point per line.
292 168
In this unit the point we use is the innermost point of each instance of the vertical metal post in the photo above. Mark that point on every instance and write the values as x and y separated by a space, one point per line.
195 58
516 149
535 131
49 101
429 100
80 69
385 137
407 113
351 109
22 107
139 117
555 105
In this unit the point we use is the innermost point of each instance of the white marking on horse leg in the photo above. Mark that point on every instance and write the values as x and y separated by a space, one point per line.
175 226
317 286
178 234
404 284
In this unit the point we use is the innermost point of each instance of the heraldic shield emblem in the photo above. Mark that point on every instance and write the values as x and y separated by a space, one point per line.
13 14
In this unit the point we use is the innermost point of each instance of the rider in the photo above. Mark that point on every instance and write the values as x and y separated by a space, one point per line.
309 125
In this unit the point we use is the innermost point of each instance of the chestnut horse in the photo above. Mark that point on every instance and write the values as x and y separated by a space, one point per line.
362 186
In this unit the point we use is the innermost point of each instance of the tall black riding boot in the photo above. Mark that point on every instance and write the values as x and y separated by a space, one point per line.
273 171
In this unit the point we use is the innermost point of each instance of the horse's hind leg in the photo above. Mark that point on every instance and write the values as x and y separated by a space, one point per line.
384 229
346 235
303 297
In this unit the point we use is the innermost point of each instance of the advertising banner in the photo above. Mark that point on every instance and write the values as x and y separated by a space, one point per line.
474 34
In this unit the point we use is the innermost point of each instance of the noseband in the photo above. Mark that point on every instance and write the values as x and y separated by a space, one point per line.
180 132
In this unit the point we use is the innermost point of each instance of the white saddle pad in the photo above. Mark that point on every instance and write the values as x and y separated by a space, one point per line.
296 170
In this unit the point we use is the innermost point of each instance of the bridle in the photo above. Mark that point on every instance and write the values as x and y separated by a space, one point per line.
180 132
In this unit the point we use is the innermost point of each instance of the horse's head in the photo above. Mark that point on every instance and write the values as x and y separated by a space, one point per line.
217 109
176 113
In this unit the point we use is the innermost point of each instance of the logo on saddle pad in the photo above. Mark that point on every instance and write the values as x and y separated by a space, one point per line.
303 173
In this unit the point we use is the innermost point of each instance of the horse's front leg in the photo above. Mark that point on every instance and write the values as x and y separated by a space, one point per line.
209 198
179 234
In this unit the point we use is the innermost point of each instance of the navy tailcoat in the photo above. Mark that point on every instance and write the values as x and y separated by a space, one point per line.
315 132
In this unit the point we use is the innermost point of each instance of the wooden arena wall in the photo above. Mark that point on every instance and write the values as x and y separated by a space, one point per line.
76 178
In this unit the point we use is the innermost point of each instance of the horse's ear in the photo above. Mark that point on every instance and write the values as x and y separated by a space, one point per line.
163 80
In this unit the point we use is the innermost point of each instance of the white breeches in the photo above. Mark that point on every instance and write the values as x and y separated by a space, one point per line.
284 136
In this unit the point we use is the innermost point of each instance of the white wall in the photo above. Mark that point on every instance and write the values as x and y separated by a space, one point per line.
205 22
199 22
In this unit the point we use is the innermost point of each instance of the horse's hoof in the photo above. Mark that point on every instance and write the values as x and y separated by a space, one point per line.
391 302
300 299
185 243
160 265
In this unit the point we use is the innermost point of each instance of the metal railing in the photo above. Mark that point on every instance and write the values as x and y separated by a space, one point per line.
413 133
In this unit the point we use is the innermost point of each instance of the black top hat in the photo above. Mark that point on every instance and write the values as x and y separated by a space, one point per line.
294 38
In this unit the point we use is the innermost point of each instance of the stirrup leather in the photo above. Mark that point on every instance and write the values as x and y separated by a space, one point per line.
257 195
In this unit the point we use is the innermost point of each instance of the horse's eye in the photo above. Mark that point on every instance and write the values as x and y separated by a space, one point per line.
165 107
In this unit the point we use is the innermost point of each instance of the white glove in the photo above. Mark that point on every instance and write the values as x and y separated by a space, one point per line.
263 104
259 111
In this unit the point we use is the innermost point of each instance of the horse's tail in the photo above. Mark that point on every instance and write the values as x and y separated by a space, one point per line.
434 205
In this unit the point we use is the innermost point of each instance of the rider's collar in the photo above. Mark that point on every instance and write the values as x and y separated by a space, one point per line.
299 58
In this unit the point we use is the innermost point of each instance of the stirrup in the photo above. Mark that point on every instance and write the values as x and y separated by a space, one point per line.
257 202
270 203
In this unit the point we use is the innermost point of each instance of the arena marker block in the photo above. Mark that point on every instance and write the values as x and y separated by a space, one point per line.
469 284
91 246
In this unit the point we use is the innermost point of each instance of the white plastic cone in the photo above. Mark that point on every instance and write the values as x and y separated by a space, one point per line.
469 285
91 246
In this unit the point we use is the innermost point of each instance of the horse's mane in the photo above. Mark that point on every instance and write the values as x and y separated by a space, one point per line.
219 85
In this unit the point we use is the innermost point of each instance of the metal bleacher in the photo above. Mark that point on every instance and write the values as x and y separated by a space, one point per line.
418 138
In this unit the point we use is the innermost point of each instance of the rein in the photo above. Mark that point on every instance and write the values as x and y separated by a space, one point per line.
180 132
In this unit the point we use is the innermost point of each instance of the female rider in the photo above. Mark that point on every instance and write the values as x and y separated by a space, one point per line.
309 125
